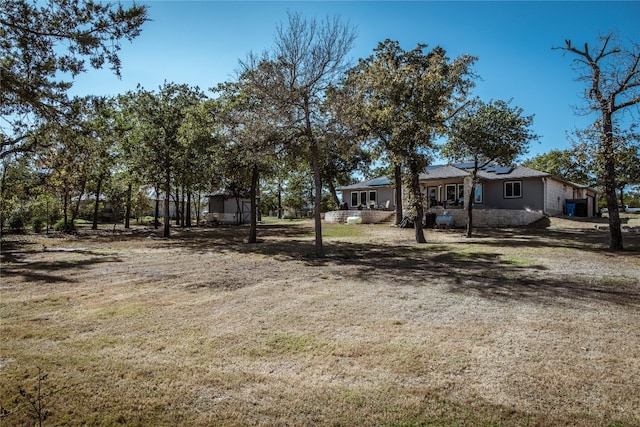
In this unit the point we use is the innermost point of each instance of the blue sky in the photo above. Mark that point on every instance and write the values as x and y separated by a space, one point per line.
201 42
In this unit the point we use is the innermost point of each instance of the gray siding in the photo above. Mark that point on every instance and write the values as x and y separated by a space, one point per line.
532 195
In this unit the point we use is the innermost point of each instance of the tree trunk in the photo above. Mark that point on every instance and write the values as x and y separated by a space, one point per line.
279 200
167 194
156 213
188 210
417 203
470 206
127 210
76 208
472 195
183 222
198 207
334 193
253 238
615 231
177 203
317 215
96 208
317 179
397 173
65 209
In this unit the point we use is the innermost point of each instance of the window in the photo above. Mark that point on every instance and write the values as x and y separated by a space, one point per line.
354 199
363 198
372 197
433 196
478 195
512 189
451 192
461 194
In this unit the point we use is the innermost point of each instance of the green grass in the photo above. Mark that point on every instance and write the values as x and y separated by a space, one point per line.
342 231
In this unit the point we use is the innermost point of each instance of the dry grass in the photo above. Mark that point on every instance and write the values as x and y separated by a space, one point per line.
531 326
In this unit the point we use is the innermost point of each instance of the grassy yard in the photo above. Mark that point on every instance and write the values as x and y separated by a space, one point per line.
536 326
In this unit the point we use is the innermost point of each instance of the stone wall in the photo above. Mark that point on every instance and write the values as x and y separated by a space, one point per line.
367 216
557 194
492 217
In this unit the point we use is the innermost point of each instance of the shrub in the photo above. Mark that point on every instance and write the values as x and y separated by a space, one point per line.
18 220
37 224
59 226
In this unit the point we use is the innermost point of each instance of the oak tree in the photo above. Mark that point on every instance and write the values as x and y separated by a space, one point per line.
611 72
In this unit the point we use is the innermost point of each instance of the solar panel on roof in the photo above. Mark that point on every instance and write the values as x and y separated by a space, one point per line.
463 165
503 170
379 181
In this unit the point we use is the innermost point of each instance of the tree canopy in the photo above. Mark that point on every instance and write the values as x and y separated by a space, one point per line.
484 133
43 46
404 100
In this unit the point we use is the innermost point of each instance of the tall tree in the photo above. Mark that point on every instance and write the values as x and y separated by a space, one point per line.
201 147
307 57
405 99
42 44
485 133
254 130
611 71
153 142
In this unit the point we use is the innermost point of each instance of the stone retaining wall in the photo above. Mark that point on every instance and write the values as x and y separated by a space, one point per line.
492 217
486 218
368 216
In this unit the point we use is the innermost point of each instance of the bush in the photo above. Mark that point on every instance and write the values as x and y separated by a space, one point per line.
16 223
37 224
18 220
59 226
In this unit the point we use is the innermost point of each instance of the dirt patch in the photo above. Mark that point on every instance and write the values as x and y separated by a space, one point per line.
527 326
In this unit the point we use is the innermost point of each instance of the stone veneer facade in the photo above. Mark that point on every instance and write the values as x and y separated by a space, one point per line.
483 218
492 217
367 216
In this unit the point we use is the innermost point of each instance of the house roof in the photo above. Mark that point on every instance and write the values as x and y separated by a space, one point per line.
382 181
491 172
443 172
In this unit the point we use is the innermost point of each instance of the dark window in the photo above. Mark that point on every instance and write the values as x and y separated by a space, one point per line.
451 192
512 189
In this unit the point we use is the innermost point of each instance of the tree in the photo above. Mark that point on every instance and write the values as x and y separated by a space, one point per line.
153 143
566 164
611 71
404 100
44 43
627 157
254 130
344 144
307 57
201 145
485 133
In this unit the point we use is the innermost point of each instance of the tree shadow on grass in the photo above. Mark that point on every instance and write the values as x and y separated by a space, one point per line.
485 272
16 263
486 275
